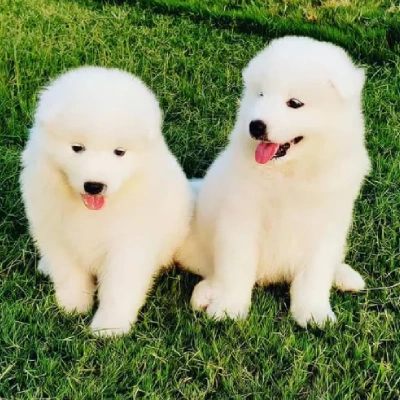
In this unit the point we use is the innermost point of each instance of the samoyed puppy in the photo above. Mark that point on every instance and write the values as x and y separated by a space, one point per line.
276 205
107 202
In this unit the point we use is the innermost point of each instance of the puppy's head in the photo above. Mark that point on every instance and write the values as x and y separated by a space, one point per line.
96 125
299 94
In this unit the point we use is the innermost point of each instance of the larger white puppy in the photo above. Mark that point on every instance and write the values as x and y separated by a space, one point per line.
103 194
277 203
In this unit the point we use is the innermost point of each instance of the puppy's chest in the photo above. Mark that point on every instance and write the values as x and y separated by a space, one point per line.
86 238
91 235
288 220
291 223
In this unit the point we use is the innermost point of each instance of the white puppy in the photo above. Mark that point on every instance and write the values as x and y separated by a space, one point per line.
277 203
104 196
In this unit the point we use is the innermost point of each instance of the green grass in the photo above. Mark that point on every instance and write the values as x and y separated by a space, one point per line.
191 54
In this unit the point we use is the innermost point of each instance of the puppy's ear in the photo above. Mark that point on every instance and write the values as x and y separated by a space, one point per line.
47 110
153 127
348 83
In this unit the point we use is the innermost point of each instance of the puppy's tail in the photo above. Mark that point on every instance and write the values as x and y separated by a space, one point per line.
195 184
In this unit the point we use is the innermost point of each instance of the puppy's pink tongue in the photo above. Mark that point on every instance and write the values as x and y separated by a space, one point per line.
93 202
265 151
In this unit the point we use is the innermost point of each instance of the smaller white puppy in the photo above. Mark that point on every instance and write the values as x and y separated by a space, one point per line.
277 203
104 196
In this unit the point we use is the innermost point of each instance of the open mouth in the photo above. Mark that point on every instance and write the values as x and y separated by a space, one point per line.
267 151
93 202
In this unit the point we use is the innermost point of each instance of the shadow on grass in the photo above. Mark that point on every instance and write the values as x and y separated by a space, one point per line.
374 45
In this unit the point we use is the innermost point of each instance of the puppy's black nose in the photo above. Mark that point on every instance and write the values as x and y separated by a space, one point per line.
93 187
258 129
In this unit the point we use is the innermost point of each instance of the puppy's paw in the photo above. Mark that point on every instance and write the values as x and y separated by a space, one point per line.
43 267
218 303
348 280
109 323
306 314
228 305
75 297
202 295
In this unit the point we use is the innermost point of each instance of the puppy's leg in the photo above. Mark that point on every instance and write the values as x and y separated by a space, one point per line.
235 265
43 267
127 277
202 295
73 285
347 279
310 288
194 257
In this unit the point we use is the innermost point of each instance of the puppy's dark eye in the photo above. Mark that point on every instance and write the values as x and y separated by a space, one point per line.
78 148
119 152
294 103
261 94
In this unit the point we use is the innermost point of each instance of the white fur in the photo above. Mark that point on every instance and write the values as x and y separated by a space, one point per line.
286 220
148 199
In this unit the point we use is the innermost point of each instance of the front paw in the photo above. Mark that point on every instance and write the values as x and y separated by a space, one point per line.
109 323
228 304
222 309
218 304
347 279
202 295
75 297
305 314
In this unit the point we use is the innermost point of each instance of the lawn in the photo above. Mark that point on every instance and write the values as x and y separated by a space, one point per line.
191 54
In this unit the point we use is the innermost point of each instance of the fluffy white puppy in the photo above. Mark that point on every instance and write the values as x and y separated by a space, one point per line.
104 196
277 203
